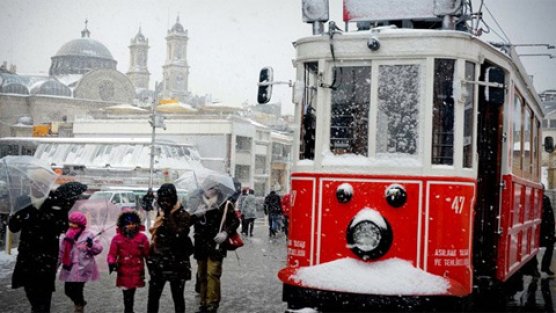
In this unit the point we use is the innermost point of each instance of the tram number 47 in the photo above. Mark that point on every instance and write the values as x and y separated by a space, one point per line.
457 204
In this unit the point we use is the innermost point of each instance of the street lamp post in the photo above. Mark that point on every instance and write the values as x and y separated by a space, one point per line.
155 121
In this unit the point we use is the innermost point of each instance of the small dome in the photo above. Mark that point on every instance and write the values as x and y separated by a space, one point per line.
139 37
50 87
178 28
85 47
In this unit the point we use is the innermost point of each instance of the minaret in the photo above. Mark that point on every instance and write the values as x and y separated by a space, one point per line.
175 70
139 50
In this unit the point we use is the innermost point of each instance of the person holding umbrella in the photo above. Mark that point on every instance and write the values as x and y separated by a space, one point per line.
41 225
212 228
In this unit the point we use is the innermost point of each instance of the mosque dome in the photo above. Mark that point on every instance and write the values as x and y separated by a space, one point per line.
80 56
85 47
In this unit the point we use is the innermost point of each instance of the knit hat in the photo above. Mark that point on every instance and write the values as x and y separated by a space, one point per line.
168 191
78 218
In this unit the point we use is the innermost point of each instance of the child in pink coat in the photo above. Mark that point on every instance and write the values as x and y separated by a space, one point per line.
78 249
127 254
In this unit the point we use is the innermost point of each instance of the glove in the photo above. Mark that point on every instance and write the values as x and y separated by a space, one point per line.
112 267
22 215
220 237
89 242
199 213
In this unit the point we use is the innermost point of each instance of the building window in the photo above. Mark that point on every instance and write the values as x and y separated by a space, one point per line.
243 144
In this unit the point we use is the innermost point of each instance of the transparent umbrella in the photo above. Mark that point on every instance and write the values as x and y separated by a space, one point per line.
102 216
24 180
209 184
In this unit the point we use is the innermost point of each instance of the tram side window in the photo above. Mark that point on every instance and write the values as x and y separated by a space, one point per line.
516 157
527 149
468 116
399 95
443 113
349 116
308 117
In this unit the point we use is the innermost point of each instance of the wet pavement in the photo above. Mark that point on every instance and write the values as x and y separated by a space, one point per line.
249 285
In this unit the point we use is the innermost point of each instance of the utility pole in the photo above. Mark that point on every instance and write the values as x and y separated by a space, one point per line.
155 121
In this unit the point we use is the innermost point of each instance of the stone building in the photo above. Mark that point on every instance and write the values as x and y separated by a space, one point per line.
175 74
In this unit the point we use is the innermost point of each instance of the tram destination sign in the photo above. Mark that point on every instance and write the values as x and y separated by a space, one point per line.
389 10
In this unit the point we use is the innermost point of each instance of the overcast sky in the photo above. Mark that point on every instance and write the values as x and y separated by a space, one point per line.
229 40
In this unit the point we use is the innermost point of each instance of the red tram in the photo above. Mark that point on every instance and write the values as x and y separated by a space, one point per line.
417 169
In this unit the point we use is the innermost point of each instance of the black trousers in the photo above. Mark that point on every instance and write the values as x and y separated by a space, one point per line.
74 291
156 285
39 298
547 257
129 299
249 225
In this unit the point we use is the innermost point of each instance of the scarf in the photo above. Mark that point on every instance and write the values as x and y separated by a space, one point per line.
69 240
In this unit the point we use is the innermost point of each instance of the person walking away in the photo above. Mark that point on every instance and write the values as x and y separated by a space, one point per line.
249 209
208 250
147 205
239 207
547 235
128 250
41 224
286 208
273 207
78 249
170 250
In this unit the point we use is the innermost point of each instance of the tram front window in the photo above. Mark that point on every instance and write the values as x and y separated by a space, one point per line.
308 117
443 113
399 98
350 111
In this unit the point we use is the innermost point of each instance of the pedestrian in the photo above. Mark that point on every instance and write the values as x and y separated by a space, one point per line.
41 224
547 235
286 208
239 207
128 250
209 251
273 207
171 248
78 248
147 205
249 210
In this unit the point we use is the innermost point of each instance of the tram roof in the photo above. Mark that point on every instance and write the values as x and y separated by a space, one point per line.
405 43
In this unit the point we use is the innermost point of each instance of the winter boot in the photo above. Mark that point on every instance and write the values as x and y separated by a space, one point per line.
202 309
79 308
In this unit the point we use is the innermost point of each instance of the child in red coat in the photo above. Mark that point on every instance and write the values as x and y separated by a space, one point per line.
128 251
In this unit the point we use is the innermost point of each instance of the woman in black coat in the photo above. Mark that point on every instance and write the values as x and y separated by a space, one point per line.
37 259
170 250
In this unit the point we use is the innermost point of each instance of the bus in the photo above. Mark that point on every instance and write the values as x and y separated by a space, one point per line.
417 160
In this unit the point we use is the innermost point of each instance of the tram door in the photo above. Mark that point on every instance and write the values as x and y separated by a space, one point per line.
489 147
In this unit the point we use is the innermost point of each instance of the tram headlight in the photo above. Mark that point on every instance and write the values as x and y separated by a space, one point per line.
396 196
369 235
344 193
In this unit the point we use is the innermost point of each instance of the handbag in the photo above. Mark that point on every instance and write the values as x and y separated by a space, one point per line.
234 240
